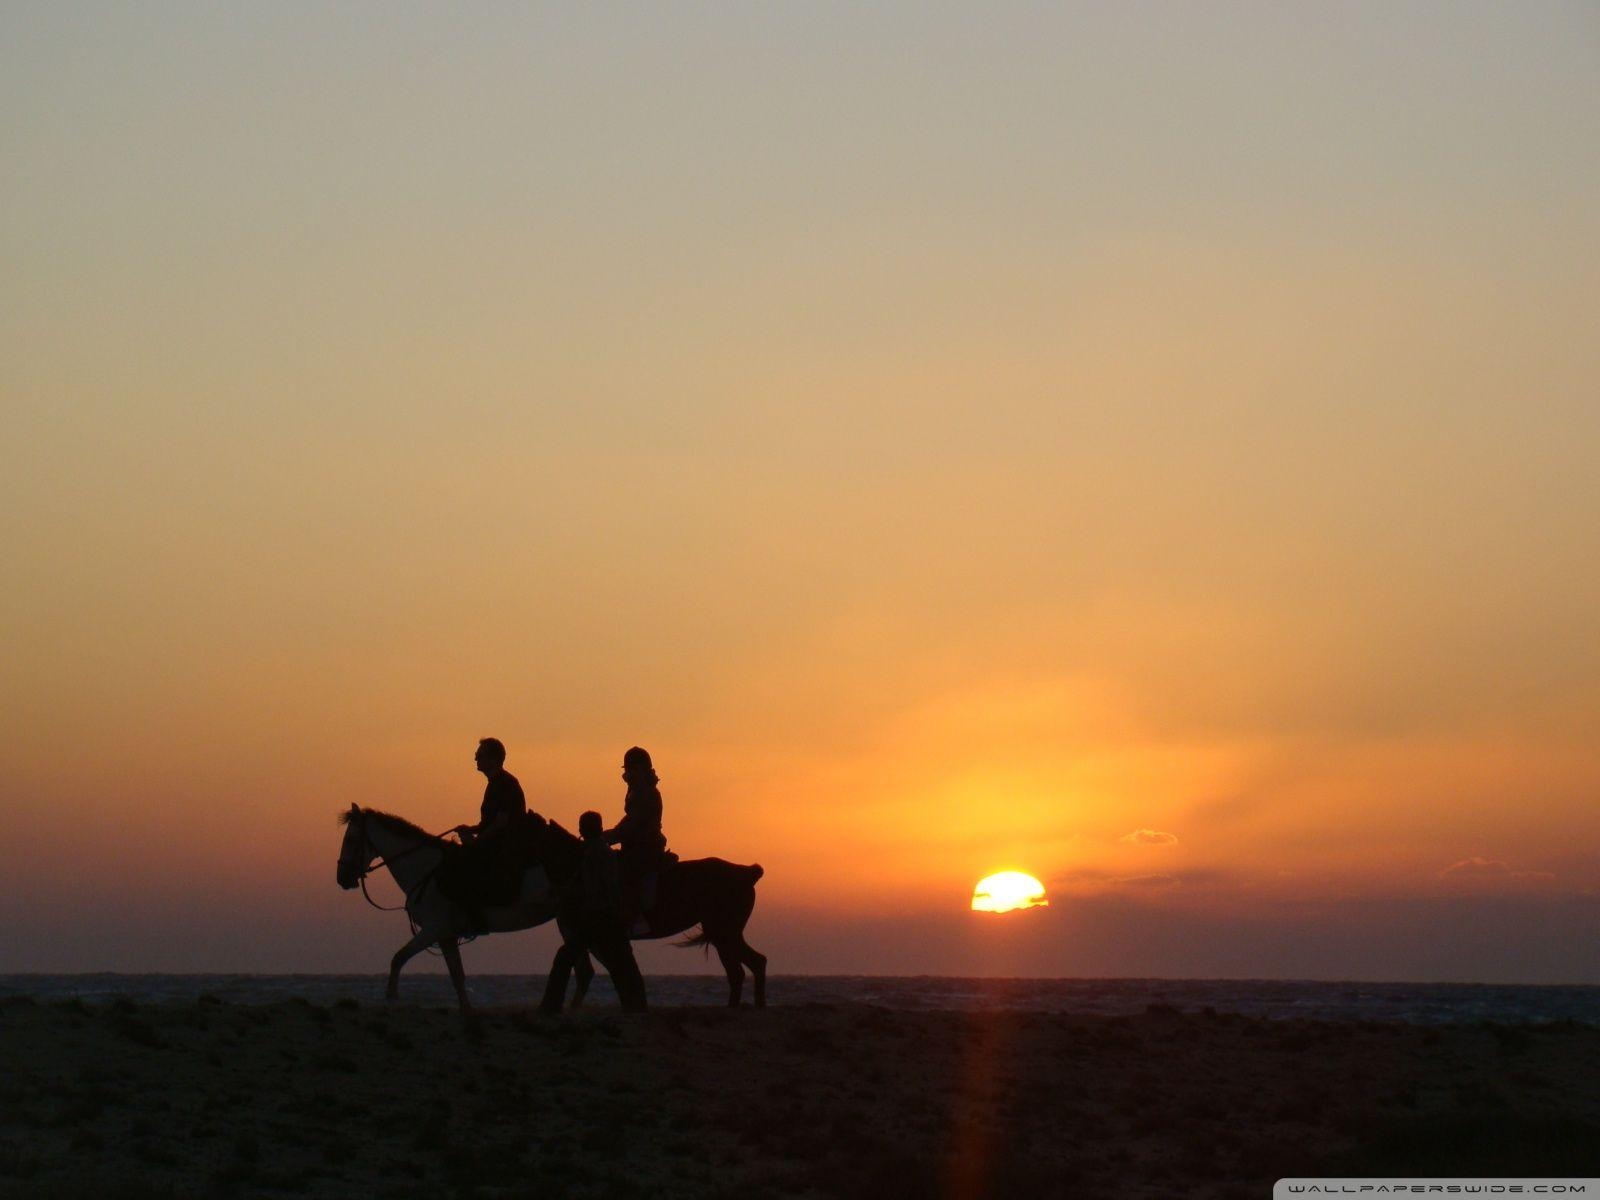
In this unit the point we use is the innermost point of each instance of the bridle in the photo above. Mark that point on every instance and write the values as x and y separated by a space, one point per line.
385 860
417 888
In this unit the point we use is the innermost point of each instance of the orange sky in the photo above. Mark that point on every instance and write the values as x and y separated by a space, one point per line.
947 446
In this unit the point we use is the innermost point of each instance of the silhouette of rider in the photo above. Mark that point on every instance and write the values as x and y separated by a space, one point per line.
490 869
639 835
503 801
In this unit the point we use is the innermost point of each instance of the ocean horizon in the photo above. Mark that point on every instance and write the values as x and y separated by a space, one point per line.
1276 999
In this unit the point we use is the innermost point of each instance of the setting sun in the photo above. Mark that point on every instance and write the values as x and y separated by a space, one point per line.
1007 891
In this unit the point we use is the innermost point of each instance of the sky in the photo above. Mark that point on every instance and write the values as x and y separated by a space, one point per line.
1147 446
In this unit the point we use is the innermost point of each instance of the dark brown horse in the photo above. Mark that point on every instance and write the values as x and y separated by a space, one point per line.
717 896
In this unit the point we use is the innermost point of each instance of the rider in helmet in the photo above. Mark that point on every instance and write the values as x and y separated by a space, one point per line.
639 833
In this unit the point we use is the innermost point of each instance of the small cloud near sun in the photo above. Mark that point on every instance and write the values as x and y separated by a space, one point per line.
1148 880
1478 867
1150 837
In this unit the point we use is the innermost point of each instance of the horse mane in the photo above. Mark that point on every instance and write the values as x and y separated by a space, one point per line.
392 822
401 825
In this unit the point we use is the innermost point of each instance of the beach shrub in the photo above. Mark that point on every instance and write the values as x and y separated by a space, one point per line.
1473 1143
334 1062
17 1162
131 1028
102 1184
155 1154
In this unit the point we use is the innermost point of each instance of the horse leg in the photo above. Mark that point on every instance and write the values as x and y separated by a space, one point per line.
634 999
584 975
729 954
757 962
555 988
401 957
458 976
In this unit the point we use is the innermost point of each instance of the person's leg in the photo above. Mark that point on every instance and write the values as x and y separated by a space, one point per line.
616 955
555 988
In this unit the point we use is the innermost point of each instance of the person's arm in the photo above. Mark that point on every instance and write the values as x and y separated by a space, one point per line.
500 797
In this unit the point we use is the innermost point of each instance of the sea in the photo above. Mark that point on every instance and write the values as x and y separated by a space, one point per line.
1413 1003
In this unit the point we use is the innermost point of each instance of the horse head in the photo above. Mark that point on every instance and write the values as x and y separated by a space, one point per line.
355 852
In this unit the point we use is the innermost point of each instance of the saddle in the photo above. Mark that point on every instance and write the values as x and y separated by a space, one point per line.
647 888
489 870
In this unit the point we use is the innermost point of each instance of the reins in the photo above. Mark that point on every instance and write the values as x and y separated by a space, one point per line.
403 905
429 839
441 839
384 861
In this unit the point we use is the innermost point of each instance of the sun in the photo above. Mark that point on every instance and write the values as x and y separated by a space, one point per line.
1007 891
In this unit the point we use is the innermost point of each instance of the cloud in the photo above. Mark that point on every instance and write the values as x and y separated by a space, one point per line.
1091 880
1147 880
1478 867
1150 837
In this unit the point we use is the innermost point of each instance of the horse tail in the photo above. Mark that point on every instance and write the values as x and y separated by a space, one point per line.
748 876
696 939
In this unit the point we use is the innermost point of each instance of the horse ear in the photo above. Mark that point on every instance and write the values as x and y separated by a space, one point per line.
354 808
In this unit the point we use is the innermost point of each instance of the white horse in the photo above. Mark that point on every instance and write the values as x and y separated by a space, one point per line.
413 856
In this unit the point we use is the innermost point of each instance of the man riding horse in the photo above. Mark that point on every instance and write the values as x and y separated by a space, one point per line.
487 869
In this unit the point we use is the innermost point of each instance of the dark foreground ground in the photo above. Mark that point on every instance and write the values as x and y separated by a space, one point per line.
124 1102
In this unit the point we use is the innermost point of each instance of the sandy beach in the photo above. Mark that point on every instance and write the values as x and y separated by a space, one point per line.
298 1099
